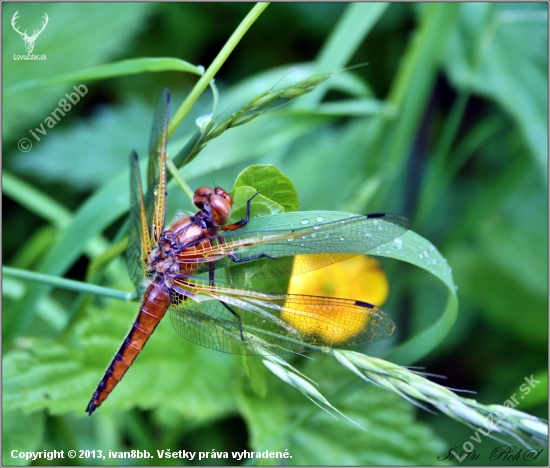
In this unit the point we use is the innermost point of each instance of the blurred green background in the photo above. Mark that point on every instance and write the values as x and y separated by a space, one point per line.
445 124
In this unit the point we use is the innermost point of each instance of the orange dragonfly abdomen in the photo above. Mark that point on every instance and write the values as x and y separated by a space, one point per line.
155 303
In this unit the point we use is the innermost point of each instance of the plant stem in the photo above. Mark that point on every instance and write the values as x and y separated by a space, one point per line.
179 179
66 283
215 66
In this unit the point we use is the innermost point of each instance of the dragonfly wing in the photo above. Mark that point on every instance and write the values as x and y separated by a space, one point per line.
156 171
274 323
317 245
139 242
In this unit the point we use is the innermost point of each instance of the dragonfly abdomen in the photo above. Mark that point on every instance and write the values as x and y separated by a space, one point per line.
155 303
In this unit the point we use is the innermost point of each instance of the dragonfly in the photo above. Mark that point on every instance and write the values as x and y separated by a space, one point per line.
192 268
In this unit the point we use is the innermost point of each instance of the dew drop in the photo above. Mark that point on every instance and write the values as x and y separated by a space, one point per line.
319 219
304 221
434 261
398 244
314 234
303 244
304 237
421 256
432 248
316 226
290 239
368 234
426 254
375 222
342 238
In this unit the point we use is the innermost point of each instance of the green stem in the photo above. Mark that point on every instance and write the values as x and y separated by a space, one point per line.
67 283
215 66
179 179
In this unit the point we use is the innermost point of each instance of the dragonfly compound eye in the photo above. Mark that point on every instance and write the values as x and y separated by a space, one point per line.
222 193
201 196
222 207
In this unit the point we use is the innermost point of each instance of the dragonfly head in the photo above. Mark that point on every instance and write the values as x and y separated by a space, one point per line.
217 199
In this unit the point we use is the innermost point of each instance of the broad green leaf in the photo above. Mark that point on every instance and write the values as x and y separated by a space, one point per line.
259 206
271 183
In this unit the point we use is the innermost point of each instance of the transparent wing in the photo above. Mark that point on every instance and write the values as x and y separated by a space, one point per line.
318 243
156 171
273 323
139 242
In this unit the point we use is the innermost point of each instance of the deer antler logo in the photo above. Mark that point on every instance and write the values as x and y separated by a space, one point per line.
29 40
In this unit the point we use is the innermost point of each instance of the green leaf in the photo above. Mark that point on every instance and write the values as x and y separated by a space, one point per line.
260 205
112 70
265 421
257 375
21 432
87 223
68 33
507 265
54 159
503 54
350 31
538 395
34 200
271 183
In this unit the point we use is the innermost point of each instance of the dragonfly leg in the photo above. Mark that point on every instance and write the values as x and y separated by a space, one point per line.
211 273
242 222
238 318
211 279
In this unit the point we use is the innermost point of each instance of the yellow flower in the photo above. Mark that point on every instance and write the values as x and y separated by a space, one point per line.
360 278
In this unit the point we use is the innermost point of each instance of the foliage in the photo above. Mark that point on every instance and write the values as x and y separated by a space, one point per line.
446 125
